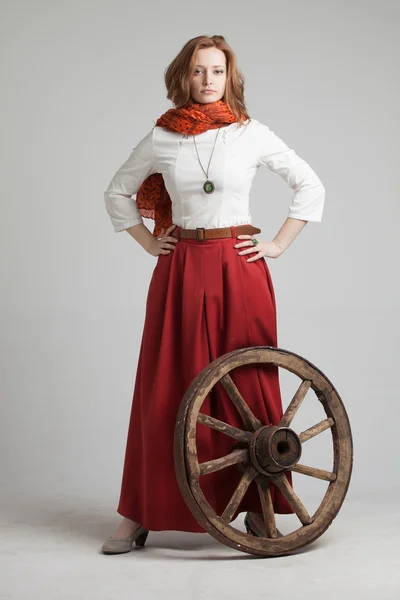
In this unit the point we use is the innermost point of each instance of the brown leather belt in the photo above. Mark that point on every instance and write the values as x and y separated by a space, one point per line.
201 235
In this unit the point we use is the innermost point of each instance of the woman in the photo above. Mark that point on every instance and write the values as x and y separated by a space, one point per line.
211 291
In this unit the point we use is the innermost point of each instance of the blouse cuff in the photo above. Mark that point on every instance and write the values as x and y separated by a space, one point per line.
122 226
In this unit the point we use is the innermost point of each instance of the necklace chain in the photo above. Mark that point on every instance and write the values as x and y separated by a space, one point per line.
198 158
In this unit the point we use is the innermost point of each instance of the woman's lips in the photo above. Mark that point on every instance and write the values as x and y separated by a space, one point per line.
208 92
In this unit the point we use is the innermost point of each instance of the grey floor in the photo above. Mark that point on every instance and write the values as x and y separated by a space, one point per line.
50 549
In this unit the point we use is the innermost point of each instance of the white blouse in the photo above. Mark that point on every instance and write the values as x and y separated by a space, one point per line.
238 153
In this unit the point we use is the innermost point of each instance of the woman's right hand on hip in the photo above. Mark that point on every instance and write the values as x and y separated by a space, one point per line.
164 244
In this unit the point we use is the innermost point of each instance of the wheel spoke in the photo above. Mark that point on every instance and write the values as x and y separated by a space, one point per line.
238 494
235 457
315 429
238 434
294 405
313 472
282 483
243 409
264 492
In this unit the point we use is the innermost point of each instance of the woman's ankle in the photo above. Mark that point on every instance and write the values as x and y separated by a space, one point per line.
125 528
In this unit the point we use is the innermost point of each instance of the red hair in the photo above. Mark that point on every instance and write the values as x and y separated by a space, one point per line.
178 74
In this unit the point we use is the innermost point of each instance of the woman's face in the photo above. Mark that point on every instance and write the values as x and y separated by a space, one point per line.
209 73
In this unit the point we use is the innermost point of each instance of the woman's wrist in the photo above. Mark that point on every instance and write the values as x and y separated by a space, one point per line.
142 235
288 233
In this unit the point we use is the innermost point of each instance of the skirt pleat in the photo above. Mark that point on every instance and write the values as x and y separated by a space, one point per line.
204 300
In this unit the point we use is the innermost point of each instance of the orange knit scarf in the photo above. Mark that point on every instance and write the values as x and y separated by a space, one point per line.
152 197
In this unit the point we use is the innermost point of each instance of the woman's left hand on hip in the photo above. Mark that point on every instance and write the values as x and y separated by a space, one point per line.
268 249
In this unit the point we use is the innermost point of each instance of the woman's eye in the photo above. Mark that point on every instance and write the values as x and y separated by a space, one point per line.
216 71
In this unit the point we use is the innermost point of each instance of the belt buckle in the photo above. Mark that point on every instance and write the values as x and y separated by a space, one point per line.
202 239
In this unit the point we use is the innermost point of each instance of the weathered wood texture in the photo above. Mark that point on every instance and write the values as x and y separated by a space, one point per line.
250 457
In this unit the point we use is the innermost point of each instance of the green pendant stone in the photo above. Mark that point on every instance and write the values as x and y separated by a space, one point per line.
208 187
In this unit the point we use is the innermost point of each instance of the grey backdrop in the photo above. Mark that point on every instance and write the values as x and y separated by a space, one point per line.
82 84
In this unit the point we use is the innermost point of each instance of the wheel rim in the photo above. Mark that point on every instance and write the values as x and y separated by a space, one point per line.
189 471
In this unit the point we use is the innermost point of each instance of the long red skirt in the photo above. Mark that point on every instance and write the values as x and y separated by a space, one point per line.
204 300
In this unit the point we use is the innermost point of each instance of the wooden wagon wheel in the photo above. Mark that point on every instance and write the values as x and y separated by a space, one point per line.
263 454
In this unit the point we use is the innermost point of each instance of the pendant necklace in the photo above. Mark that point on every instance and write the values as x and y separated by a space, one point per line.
208 186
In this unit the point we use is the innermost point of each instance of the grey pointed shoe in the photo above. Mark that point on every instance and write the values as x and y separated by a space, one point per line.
253 528
115 546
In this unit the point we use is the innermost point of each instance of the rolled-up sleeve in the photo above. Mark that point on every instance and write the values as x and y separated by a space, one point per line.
123 210
309 193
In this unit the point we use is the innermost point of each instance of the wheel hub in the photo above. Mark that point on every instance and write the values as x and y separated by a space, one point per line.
274 449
